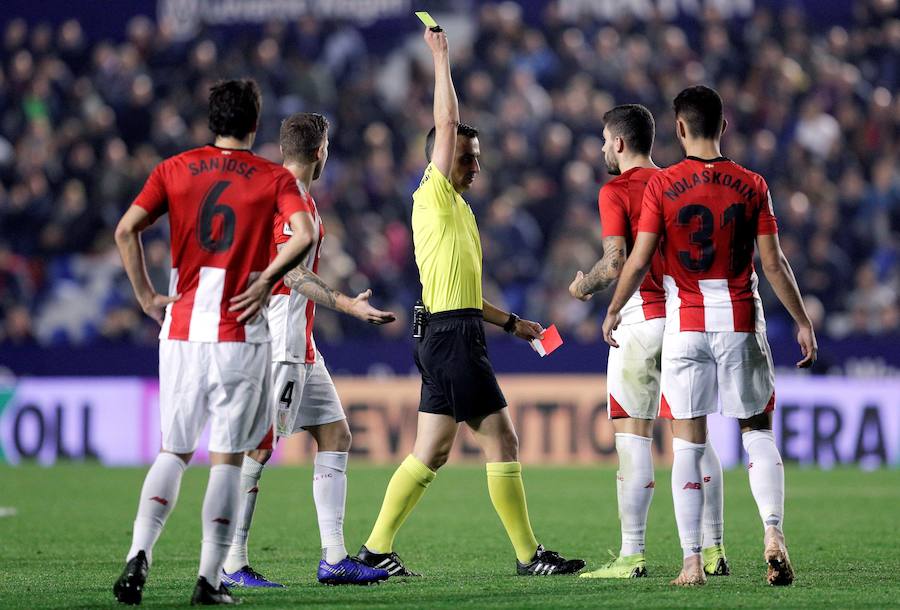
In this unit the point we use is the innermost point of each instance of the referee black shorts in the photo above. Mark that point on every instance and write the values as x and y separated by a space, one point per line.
457 377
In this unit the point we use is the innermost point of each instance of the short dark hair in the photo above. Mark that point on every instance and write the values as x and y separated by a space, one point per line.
234 108
634 124
302 134
701 109
461 130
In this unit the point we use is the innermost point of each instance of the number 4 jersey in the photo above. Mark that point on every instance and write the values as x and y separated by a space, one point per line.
710 213
291 314
220 204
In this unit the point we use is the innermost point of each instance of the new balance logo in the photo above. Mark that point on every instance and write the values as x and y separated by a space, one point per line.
253 490
222 520
162 501
707 479
650 485
690 485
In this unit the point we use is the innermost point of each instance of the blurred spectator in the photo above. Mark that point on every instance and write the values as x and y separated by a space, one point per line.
816 111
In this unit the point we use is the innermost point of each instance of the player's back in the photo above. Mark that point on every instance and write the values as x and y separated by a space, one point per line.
620 210
220 204
712 211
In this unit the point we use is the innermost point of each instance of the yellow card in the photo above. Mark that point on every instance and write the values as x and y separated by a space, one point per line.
427 19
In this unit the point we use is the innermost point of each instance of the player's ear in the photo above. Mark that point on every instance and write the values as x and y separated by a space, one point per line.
619 144
680 129
724 127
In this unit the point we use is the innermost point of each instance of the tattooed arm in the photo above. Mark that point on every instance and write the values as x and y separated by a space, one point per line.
315 289
604 272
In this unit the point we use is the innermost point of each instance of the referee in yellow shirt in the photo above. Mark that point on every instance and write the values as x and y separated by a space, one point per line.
458 382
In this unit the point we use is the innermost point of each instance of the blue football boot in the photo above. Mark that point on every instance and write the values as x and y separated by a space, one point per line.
349 571
247 577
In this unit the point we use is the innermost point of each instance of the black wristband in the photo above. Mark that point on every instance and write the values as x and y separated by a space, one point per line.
510 325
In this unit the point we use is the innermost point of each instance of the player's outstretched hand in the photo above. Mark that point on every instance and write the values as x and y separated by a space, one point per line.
806 337
436 41
575 288
610 324
251 301
155 307
528 330
360 308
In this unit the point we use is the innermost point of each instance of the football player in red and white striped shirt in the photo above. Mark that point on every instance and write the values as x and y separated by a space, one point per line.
303 393
710 211
633 372
214 345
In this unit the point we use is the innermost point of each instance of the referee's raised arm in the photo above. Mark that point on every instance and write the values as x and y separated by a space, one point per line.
446 106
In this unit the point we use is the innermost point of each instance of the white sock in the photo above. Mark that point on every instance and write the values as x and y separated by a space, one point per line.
713 497
158 496
687 493
766 476
220 512
251 471
635 489
330 495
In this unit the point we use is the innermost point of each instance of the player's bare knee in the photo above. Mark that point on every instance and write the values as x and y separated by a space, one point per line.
332 437
184 457
337 440
434 456
231 459
260 455
762 421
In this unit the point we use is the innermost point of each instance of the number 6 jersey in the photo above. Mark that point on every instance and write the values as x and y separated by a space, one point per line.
220 203
710 213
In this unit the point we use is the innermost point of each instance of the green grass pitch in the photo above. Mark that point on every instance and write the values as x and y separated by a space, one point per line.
66 544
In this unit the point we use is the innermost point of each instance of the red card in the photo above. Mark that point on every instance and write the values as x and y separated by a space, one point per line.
549 343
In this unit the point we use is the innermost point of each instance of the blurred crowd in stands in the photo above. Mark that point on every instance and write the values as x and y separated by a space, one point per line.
815 110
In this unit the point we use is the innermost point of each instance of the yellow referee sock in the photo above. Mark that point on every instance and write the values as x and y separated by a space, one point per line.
508 495
407 485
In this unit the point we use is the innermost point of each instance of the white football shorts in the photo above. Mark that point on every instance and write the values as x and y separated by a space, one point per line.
226 382
633 370
702 369
304 396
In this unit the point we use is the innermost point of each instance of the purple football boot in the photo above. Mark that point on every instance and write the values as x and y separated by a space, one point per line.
349 571
247 577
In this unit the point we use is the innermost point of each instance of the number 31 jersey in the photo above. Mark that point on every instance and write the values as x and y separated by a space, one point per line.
220 204
710 213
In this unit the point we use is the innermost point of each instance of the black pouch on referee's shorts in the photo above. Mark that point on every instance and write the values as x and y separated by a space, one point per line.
420 320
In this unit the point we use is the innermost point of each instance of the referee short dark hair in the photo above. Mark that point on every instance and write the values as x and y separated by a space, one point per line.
701 109
461 130
234 108
634 124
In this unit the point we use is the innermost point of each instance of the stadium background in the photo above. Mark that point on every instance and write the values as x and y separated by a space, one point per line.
91 99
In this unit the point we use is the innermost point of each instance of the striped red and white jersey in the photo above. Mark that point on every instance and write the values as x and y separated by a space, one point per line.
220 204
291 315
620 209
709 213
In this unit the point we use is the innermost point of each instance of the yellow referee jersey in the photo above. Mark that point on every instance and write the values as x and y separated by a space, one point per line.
448 247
